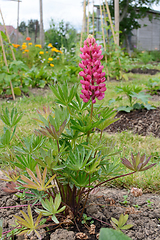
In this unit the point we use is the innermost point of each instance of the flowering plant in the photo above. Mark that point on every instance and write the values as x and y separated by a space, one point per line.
69 151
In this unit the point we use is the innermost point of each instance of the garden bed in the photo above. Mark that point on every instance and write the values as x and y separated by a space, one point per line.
106 203
144 71
142 122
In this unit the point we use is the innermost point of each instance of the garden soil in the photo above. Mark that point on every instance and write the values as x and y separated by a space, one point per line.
142 122
144 71
101 206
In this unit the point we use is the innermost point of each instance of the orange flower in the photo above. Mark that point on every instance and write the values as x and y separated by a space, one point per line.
26 50
28 38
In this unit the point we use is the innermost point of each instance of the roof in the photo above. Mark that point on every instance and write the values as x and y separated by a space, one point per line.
150 11
10 30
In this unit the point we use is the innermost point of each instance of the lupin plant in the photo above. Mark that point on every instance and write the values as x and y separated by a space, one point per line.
74 155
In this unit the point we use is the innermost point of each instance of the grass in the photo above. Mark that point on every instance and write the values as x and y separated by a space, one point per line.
126 142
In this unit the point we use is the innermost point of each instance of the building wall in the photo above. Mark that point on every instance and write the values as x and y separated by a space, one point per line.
147 37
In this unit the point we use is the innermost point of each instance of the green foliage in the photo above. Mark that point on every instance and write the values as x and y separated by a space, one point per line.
125 201
149 203
86 219
134 93
145 57
153 85
51 208
27 223
120 224
68 158
110 234
15 67
10 120
61 35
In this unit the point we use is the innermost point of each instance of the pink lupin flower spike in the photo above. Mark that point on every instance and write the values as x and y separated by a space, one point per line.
93 85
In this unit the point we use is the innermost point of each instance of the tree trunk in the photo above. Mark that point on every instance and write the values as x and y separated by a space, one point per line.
41 24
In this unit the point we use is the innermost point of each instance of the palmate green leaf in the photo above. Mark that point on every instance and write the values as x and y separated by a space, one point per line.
51 207
39 181
106 123
84 126
82 179
12 119
28 223
78 159
64 96
78 104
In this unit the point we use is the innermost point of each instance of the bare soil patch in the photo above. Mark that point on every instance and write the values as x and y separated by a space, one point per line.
144 71
142 121
106 203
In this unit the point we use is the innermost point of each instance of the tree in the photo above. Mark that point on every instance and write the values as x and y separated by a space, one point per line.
130 12
22 27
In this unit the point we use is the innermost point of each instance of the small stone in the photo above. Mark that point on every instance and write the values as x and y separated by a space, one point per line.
62 234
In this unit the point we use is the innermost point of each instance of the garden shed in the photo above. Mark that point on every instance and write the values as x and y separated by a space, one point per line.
145 38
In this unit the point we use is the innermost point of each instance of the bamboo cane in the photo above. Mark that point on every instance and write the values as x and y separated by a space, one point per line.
88 20
8 36
5 60
110 20
83 22
105 22
104 41
93 18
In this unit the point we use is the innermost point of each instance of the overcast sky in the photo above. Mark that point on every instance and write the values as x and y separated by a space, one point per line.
68 10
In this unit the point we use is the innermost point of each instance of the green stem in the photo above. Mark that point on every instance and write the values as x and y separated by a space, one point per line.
91 111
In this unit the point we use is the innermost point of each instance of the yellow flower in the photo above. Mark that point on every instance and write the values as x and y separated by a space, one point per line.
24 43
23 52
38 45
46 51
57 57
50 59
41 52
26 50
51 64
50 45
29 43
54 49
60 51
24 46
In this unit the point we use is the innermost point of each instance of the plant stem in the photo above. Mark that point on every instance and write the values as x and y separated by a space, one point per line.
58 145
99 184
91 111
